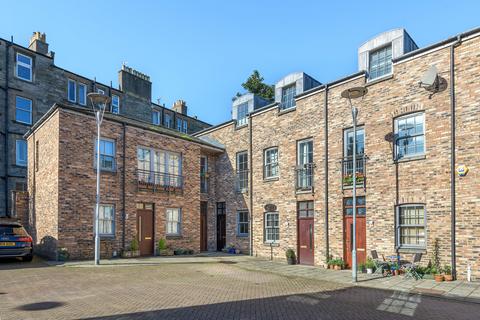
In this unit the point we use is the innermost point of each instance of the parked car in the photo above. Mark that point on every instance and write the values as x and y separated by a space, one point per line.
15 241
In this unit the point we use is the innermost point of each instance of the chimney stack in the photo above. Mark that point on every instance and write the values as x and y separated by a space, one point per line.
180 106
38 43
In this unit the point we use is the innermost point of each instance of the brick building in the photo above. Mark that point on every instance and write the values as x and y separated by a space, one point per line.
30 83
150 184
292 159
279 174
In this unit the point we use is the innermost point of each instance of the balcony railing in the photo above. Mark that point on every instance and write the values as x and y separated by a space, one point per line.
241 181
159 181
304 177
347 171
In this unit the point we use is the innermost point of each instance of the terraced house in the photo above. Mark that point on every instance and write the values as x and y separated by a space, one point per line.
279 174
31 83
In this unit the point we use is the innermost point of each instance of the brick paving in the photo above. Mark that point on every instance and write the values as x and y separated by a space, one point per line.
201 289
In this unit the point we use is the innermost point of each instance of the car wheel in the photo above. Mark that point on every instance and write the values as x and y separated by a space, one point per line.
27 258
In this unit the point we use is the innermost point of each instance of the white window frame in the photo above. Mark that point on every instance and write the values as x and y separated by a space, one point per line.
84 96
177 222
102 221
396 138
376 50
267 163
242 175
24 110
241 223
168 121
243 120
164 173
185 126
117 105
70 81
159 117
203 175
290 103
114 156
22 64
265 227
399 226
100 91
18 160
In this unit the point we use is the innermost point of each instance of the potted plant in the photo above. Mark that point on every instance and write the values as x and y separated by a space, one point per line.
134 248
237 251
436 269
448 273
394 269
338 264
361 267
231 248
370 265
163 249
62 254
290 254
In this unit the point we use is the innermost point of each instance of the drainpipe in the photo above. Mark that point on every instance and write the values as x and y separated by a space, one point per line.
7 120
124 127
452 155
325 116
250 124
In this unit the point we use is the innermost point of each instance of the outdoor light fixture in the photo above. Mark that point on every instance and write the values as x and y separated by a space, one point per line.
354 93
99 104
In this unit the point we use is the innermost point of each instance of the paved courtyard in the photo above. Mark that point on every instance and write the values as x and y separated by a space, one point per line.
202 288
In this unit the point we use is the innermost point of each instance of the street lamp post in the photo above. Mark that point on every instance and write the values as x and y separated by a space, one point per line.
350 94
99 103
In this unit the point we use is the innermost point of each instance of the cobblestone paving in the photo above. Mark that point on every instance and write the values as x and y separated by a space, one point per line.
201 291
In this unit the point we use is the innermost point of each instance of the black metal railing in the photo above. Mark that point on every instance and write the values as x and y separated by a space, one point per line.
159 181
347 171
241 181
304 177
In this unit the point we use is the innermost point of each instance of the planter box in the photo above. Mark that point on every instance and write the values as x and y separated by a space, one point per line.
131 254
165 252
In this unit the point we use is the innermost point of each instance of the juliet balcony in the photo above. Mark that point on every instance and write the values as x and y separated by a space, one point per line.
347 172
304 181
159 181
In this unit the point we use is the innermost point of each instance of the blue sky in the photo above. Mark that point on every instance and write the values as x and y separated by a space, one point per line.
201 51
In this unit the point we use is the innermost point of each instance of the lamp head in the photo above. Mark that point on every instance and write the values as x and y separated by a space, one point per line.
354 93
99 101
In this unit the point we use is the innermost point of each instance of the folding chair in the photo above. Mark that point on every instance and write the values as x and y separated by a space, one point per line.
410 269
380 265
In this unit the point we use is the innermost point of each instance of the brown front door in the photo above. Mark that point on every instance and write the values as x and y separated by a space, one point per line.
221 226
145 229
361 233
203 225
306 243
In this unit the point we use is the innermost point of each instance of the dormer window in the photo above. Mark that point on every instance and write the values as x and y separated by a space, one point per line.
156 117
288 97
242 113
380 62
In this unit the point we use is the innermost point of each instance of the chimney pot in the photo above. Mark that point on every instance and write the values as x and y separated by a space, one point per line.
38 42
180 106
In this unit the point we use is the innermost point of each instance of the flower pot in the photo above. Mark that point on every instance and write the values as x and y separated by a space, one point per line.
231 250
448 277
237 251
438 277
369 270
291 260
165 252
337 267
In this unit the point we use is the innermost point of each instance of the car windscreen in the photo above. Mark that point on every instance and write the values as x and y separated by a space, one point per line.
9 230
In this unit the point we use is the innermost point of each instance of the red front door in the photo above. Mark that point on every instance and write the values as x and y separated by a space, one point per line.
361 233
306 243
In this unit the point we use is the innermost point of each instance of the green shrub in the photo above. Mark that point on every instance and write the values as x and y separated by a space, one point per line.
370 264
134 244
162 244
290 254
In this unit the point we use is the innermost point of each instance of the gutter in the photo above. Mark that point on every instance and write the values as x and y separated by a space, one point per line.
7 121
251 182
452 156
124 142
325 117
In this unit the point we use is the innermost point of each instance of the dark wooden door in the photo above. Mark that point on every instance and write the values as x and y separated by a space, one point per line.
221 232
306 246
145 231
203 225
361 240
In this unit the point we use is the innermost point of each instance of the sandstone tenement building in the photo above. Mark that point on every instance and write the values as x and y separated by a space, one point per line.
30 83
279 174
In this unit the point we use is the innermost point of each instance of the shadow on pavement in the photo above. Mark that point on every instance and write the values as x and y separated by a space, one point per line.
16 263
46 305
349 303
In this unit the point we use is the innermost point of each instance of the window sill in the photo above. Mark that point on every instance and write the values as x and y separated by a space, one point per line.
284 111
411 158
379 79
271 179
22 123
20 166
107 236
304 191
173 237
108 172
24 80
242 192
242 235
241 127
271 244
412 250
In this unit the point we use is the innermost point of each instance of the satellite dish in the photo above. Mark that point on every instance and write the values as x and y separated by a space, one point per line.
430 78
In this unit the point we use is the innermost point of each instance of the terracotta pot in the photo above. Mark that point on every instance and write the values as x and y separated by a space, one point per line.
448 277
438 277
337 267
